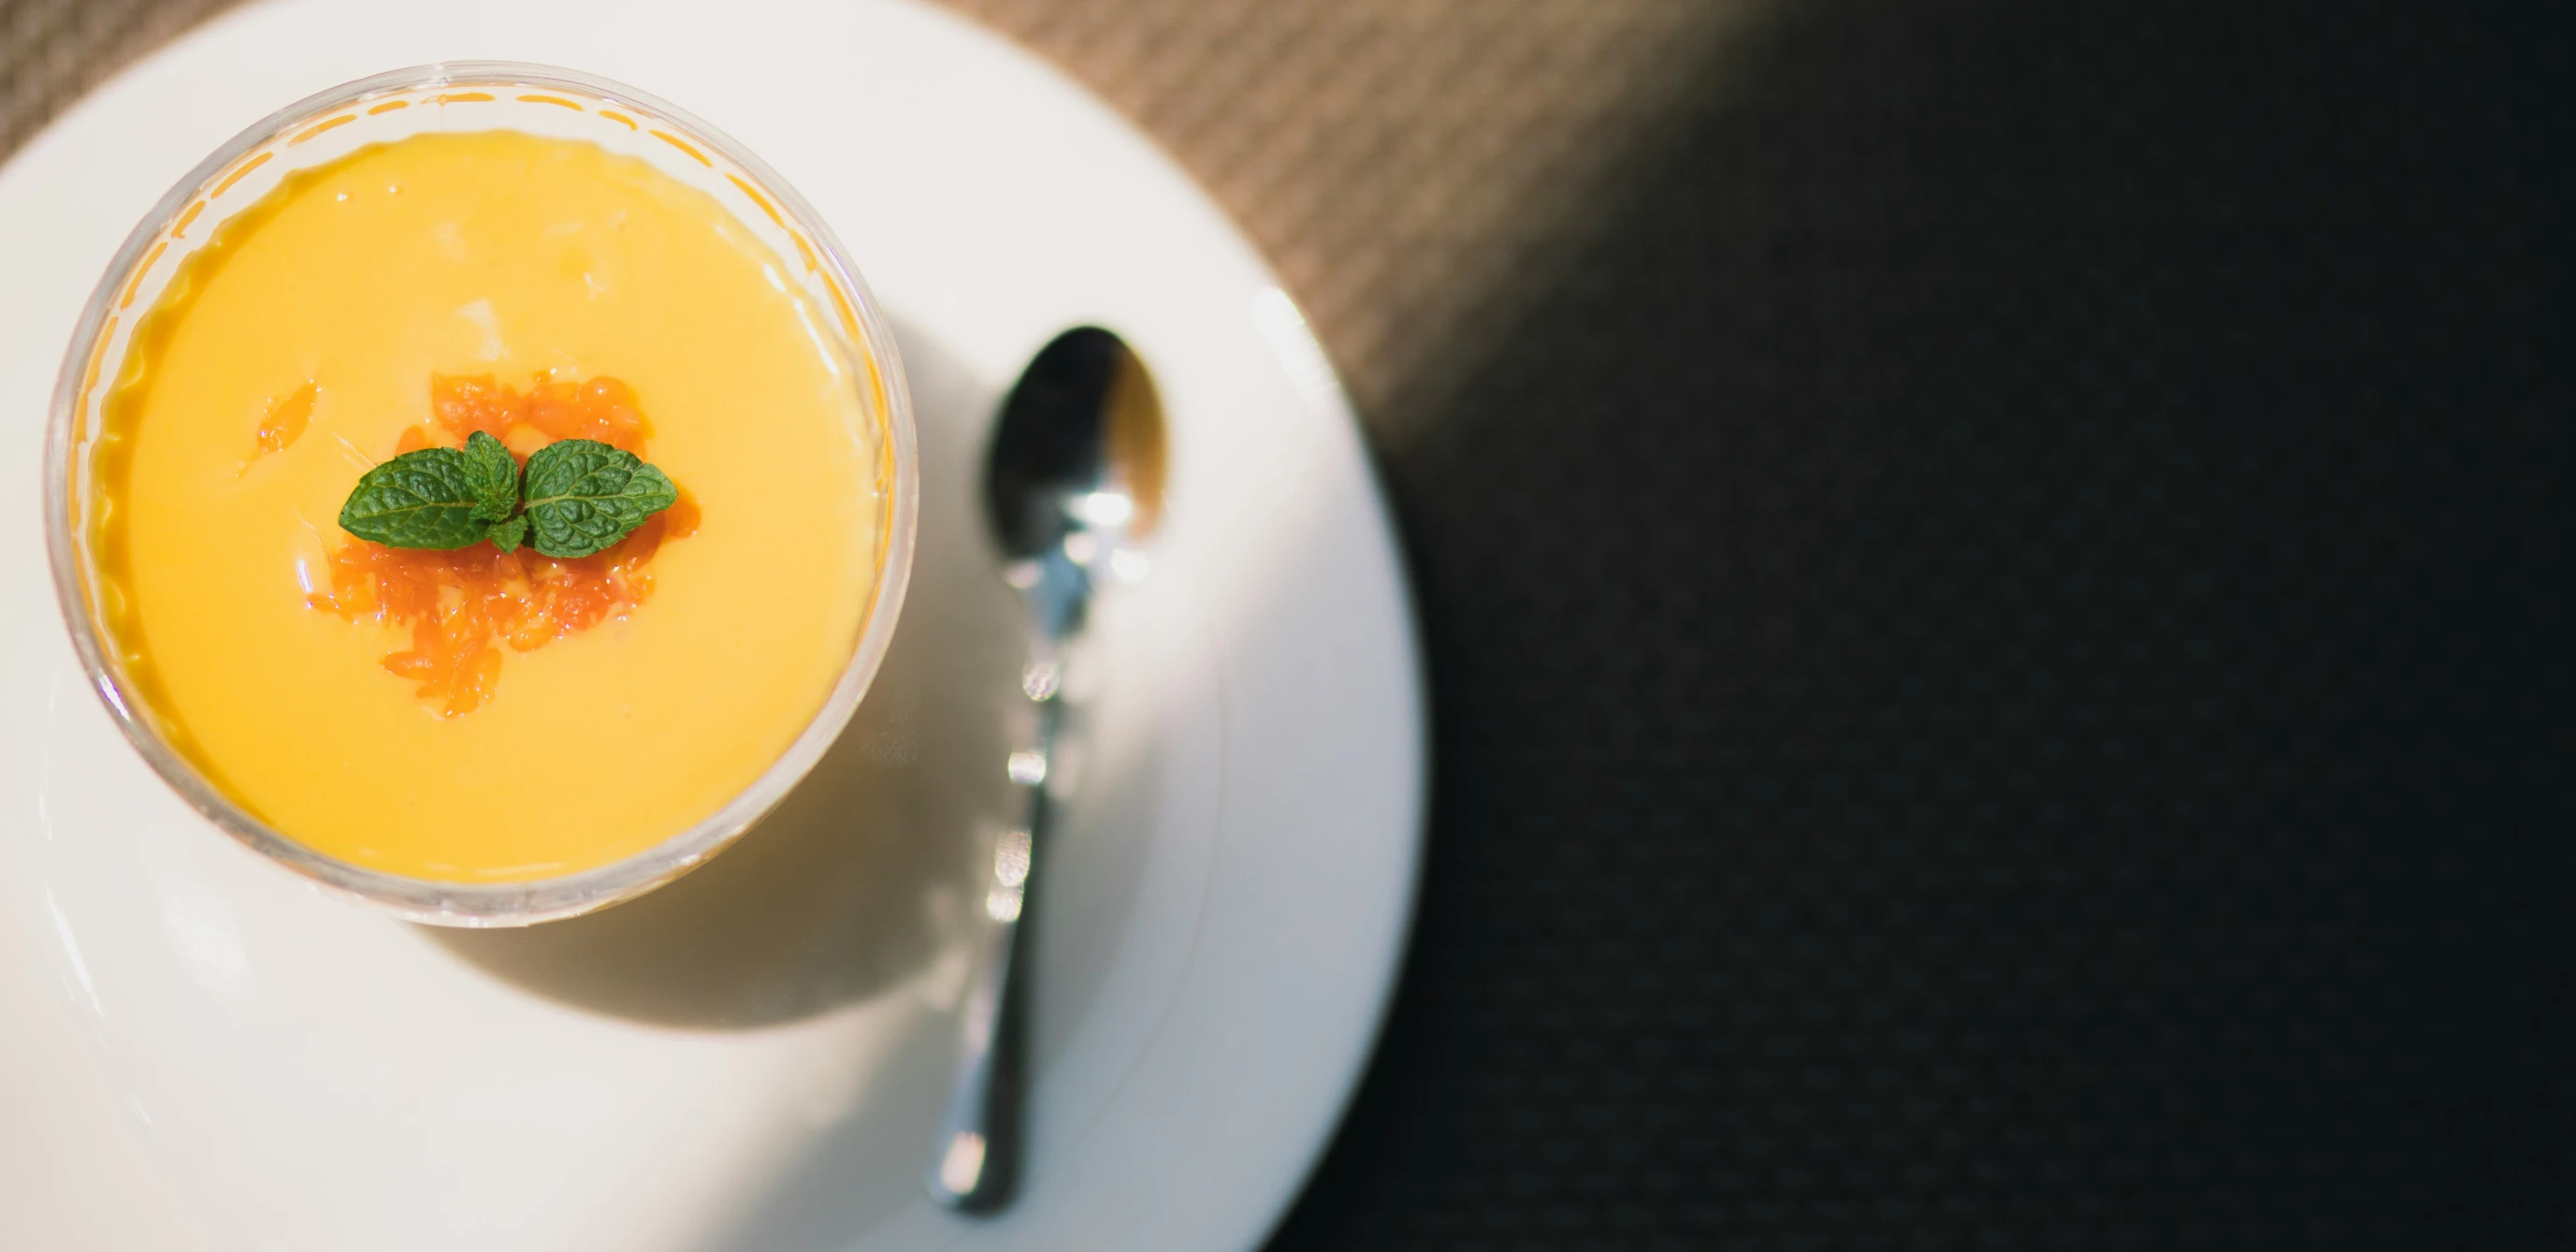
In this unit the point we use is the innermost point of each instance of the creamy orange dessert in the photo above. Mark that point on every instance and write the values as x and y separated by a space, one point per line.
488 687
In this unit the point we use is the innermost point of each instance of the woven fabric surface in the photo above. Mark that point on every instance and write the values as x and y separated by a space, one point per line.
1993 586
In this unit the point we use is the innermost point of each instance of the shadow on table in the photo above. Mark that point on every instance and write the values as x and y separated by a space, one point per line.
1998 649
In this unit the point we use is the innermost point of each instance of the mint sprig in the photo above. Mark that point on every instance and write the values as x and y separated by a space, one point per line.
576 497
583 495
508 535
496 477
435 497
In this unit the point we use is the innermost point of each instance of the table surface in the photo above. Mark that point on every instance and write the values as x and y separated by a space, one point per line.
1992 584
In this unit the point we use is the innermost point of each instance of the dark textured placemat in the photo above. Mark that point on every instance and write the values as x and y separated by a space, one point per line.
1994 593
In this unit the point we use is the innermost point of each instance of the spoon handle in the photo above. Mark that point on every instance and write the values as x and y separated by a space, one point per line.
975 1159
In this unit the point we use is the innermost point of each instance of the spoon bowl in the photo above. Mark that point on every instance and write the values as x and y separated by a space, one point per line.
1082 424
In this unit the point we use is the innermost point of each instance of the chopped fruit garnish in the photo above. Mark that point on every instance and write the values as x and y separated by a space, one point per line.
466 405
286 418
462 604
551 409
602 409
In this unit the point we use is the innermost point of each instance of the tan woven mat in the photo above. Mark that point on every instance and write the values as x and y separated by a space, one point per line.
1397 159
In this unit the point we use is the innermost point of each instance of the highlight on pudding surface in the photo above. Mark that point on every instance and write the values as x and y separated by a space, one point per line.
632 567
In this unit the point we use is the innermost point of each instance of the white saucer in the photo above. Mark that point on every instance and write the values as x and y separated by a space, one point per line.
198 1051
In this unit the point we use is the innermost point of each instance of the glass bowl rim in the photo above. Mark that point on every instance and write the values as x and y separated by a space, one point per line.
519 903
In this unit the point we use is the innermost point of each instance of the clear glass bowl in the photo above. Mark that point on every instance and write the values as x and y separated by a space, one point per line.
472 96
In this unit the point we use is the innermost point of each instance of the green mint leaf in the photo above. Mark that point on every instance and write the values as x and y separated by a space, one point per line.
496 477
431 498
507 536
583 495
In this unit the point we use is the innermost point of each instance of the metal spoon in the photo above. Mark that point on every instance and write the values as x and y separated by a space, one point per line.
1074 474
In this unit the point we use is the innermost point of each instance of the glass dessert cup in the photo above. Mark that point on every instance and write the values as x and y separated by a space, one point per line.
452 98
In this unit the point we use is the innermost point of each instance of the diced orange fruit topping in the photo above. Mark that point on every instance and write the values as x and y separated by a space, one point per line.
602 409
463 604
286 418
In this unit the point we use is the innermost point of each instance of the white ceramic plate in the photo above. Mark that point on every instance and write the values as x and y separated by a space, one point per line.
198 1051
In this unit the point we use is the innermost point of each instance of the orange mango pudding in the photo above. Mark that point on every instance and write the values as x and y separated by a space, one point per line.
475 714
